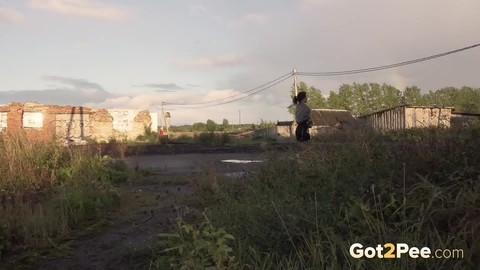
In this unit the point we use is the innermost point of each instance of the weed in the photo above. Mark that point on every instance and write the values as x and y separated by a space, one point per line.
198 247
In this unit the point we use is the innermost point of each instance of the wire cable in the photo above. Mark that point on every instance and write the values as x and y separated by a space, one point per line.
364 70
318 74
287 75
233 100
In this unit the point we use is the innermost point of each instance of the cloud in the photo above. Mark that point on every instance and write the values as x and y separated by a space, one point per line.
76 84
197 10
79 46
162 86
72 91
252 19
68 92
11 16
313 4
205 62
82 8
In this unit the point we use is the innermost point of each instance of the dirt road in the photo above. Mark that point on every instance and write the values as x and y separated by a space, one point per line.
127 238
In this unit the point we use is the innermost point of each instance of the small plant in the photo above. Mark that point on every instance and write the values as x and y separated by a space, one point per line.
148 135
199 247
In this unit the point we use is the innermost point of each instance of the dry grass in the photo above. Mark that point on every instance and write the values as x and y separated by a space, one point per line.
46 189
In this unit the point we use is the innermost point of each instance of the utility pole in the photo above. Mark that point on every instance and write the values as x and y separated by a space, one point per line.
295 81
239 117
163 115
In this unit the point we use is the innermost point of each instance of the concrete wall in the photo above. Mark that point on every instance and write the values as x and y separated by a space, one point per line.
420 117
43 122
402 117
285 133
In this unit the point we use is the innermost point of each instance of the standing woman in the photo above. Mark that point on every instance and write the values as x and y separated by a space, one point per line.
302 117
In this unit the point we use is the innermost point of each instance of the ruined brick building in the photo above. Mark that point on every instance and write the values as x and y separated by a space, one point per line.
44 122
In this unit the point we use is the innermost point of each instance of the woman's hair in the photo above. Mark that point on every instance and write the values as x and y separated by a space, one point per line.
300 96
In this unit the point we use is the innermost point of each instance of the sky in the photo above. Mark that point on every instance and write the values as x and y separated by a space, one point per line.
144 53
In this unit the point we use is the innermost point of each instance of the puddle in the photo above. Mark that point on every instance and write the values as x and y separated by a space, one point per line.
240 161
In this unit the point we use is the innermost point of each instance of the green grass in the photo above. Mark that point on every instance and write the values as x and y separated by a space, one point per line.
418 187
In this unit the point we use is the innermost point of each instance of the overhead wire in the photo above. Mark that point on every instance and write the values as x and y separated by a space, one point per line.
250 94
377 68
287 75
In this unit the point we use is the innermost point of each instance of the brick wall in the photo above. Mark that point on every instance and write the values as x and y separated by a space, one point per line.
51 121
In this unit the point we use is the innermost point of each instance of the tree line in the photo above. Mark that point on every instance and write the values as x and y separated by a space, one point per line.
366 98
211 126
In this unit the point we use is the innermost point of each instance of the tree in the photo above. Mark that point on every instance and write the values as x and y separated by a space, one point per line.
211 125
391 96
266 124
364 98
199 126
225 122
315 99
343 99
413 96
465 99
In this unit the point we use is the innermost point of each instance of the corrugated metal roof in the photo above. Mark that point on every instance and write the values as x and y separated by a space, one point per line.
330 117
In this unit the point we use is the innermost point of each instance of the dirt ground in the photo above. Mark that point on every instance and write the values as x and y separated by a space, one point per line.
128 237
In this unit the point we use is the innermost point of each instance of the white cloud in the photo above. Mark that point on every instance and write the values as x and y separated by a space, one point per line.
197 10
11 16
252 19
205 62
79 46
313 4
82 8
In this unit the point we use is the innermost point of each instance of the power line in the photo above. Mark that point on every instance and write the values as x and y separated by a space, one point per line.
287 75
251 94
364 70
284 77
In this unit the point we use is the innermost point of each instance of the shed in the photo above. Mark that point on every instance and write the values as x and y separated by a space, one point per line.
408 116
328 120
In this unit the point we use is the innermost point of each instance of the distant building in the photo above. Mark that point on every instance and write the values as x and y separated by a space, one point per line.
331 120
408 116
323 121
43 122
285 131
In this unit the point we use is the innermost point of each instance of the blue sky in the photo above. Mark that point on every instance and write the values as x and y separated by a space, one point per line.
138 54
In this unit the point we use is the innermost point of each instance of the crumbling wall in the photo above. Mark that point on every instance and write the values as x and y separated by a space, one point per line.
420 117
141 121
44 122
101 125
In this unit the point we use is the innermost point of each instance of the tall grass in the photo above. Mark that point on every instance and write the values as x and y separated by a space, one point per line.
47 189
419 187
